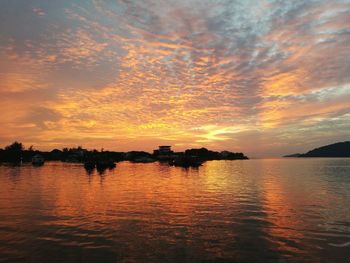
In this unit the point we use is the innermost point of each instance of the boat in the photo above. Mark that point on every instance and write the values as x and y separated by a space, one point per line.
38 160
186 161
105 164
89 165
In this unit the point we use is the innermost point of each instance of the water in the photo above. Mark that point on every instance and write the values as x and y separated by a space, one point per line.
274 210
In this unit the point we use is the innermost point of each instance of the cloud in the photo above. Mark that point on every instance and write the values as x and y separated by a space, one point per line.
39 11
188 72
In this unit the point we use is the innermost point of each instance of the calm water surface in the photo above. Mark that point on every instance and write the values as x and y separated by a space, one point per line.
277 210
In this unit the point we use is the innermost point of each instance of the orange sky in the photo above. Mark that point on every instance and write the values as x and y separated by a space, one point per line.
264 77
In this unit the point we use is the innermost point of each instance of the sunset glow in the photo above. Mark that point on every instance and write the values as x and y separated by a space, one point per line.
263 77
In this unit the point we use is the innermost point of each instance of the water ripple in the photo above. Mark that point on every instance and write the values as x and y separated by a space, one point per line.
240 211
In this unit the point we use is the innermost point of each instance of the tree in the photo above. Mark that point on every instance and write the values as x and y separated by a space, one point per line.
15 147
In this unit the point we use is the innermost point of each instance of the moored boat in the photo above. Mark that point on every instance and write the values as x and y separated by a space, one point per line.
105 164
186 161
38 160
90 165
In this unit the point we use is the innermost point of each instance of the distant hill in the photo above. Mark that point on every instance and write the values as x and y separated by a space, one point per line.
340 149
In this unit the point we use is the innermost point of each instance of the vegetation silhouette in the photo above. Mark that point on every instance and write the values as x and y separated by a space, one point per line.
206 154
102 160
13 153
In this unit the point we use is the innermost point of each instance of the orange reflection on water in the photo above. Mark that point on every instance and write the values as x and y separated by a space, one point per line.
146 212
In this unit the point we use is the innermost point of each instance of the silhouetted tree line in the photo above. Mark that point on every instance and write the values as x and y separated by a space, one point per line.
134 155
206 154
16 153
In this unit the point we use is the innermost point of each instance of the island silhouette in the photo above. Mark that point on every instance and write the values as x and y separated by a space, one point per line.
339 149
16 153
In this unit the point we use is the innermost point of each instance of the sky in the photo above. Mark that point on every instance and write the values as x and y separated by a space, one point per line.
263 77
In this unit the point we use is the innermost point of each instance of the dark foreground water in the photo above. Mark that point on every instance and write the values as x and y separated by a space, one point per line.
282 210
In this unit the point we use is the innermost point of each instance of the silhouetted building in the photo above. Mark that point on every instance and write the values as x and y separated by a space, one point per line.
165 150
163 153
